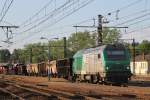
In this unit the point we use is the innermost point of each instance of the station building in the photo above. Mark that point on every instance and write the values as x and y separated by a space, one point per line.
142 65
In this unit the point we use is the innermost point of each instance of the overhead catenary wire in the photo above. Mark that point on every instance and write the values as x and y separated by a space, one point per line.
146 9
3 7
139 21
67 14
39 31
45 18
143 28
133 19
6 11
121 8
35 15
137 30
131 4
60 27
59 10
56 21
64 26
130 15
125 7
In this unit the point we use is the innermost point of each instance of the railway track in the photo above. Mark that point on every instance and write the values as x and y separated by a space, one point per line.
42 90
19 91
30 92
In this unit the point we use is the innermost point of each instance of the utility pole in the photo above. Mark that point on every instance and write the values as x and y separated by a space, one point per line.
49 67
65 47
99 29
30 55
133 44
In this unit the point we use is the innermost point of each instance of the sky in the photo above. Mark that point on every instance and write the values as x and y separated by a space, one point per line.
131 13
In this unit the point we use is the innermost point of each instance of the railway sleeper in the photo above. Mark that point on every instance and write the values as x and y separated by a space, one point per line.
60 95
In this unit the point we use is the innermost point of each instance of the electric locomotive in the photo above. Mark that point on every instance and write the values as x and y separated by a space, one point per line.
107 63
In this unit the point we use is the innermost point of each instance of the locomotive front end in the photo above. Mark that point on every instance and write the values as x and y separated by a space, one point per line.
117 64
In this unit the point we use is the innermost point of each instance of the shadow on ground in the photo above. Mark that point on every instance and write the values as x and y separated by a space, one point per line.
139 83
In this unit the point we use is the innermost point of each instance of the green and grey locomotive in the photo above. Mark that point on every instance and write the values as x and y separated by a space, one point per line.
107 63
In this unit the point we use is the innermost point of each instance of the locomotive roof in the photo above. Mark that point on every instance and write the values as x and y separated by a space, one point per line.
64 59
88 50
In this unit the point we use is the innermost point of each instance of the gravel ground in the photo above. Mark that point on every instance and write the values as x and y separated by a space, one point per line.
135 90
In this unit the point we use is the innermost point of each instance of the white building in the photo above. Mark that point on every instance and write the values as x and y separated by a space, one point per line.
142 65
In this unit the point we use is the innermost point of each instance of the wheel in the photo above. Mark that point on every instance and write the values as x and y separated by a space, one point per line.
125 85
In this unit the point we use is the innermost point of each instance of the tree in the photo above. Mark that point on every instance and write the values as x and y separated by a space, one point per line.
110 35
38 52
57 49
144 47
15 56
4 55
80 40
19 56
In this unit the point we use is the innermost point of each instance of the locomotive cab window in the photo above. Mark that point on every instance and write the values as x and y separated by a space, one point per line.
116 54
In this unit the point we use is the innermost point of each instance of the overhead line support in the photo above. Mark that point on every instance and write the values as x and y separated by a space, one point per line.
7 32
100 28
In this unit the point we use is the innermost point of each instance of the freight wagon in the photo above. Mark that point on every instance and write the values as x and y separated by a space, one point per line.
52 68
4 69
107 63
64 68
18 69
41 69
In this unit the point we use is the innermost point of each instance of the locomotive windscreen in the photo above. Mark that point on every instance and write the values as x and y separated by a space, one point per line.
115 52
116 55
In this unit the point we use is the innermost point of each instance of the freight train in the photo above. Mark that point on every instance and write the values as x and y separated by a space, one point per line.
107 63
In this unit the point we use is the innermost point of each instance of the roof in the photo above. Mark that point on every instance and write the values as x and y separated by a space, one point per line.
97 48
88 50
79 53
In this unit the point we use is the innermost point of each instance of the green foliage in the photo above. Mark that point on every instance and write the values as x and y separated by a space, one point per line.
80 40
140 48
144 47
18 56
110 35
57 49
36 52
4 55
31 53
39 52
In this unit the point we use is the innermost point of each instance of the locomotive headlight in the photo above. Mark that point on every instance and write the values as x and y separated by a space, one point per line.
107 68
128 67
